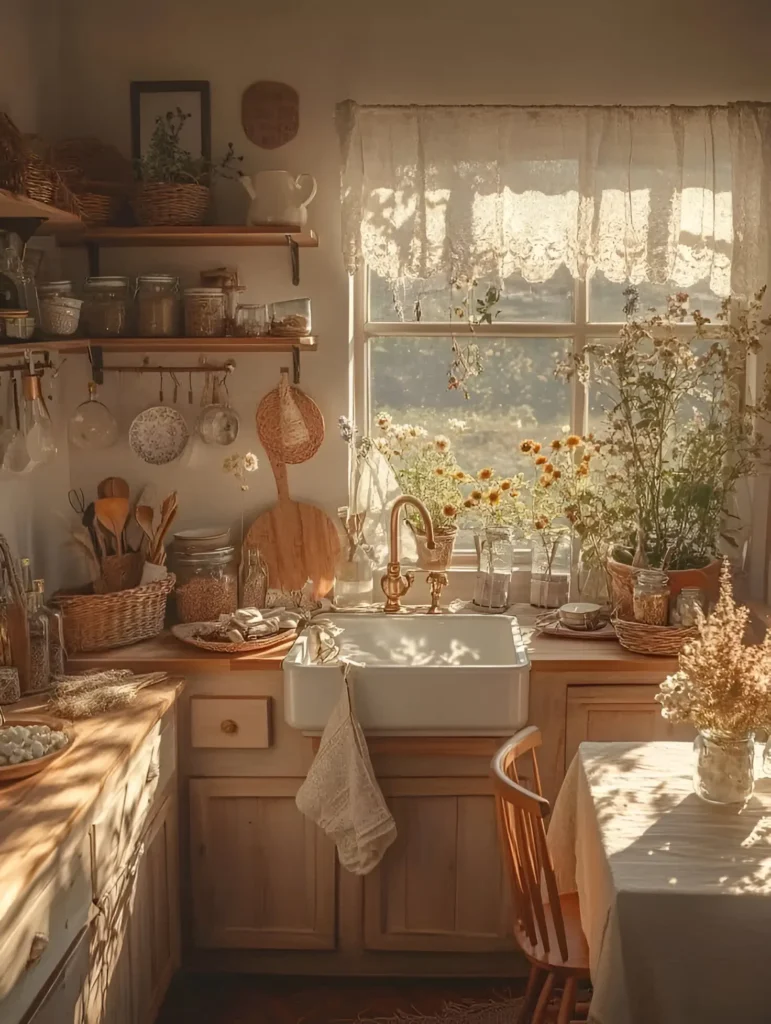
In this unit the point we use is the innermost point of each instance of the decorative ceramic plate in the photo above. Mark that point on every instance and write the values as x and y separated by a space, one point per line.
549 625
158 435
22 770
195 633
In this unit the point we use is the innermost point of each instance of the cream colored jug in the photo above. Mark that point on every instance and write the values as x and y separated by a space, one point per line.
276 198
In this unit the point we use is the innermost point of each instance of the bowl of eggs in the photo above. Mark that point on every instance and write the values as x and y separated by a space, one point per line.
28 744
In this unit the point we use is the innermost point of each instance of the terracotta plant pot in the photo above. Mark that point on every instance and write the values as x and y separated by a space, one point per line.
438 559
622 583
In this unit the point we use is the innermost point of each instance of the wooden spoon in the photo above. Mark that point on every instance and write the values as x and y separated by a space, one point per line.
113 487
145 517
112 514
168 515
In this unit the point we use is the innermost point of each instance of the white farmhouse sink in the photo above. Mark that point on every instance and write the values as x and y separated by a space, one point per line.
421 674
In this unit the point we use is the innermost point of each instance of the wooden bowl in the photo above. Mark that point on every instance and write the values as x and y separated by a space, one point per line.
13 772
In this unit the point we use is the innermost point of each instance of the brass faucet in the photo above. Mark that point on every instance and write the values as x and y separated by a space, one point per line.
395 584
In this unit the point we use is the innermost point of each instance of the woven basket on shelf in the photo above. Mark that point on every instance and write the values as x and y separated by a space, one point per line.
641 638
156 204
99 622
98 210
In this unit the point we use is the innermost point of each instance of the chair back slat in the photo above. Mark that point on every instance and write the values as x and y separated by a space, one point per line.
521 814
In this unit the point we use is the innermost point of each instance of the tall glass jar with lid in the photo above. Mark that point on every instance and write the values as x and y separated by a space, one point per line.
157 306
106 307
207 584
204 313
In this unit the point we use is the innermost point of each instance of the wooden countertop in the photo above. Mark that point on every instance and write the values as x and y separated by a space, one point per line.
38 814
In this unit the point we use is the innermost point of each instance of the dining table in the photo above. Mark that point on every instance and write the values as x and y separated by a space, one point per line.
674 892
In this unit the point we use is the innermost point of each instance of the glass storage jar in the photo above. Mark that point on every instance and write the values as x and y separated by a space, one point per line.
650 598
157 306
207 584
254 581
204 313
55 290
686 603
39 643
724 767
106 307
495 561
550 570
251 320
291 319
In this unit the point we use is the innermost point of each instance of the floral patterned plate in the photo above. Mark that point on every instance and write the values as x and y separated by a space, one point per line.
158 435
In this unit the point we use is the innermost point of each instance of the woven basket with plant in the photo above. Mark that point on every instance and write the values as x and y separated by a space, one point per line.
99 175
174 187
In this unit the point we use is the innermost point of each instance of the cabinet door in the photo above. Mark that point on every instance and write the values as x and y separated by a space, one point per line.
153 930
605 713
441 886
263 875
64 999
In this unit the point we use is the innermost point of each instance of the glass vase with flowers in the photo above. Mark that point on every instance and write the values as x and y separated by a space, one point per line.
497 511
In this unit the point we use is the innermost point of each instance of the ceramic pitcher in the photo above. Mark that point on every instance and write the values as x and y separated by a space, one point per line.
277 197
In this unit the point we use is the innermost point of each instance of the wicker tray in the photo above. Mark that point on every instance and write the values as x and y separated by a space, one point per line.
99 622
156 204
185 631
14 772
666 641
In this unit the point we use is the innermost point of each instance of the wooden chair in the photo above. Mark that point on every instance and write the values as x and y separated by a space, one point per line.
549 932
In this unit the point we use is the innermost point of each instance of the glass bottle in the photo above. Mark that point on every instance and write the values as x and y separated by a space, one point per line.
39 643
56 655
254 581
40 435
550 571
495 558
650 598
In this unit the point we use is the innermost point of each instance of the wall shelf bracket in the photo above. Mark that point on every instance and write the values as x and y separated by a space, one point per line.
296 365
96 358
294 256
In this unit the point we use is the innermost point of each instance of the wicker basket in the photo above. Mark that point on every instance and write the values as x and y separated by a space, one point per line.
666 641
622 577
155 205
97 210
99 622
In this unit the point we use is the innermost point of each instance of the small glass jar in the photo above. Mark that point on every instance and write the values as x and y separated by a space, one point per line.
39 643
495 561
15 324
207 584
56 654
251 320
291 319
550 570
157 306
685 607
724 767
55 290
254 581
106 307
650 598
204 313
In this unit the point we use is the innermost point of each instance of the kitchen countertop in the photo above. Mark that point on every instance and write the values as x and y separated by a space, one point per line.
38 814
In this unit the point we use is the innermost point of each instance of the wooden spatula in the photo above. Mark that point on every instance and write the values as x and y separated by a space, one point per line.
112 513
113 487
168 514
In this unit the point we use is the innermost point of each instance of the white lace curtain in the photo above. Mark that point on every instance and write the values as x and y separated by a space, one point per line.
661 194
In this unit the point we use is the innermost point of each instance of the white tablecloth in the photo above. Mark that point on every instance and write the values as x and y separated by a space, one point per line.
675 893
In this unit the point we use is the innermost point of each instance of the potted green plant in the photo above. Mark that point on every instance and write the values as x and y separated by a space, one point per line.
678 434
174 187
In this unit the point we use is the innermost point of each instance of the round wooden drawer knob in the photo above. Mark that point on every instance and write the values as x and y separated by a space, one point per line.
229 726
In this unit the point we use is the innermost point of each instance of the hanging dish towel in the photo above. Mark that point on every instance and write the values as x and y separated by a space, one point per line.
341 794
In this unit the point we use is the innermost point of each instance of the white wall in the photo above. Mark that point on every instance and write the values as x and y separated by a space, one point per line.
595 52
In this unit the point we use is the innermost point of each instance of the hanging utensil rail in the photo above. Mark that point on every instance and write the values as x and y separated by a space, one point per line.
226 368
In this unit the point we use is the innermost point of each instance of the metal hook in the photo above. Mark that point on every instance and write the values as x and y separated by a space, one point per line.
160 393
176 385
190 389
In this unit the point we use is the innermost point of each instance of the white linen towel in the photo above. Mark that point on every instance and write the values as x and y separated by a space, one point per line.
341 794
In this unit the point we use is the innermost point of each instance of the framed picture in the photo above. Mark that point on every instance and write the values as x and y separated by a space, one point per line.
150 100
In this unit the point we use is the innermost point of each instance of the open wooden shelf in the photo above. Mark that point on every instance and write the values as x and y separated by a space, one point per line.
216 234
142 346
12 204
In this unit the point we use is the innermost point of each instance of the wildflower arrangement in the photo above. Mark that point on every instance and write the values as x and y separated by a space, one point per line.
495 500
722 684
239 466
678 432
425 467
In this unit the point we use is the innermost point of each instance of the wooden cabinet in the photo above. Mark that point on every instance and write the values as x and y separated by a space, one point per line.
441 886
606 713
263 876
64 998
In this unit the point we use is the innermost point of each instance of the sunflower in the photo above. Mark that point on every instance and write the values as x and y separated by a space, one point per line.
450 511
439 470
493 496
541 523
536 447
469 503
460 476
556 444
573 441
485 474
548 468
476 495
583 469
586 457
541 460
505 485
526 446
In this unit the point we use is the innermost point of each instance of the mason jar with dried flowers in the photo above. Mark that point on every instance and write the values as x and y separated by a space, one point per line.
722 688
425 467
496 509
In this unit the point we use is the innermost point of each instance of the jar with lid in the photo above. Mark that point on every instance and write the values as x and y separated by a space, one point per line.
106 307
684 613
157 306
204 313
56 290
16 324
291 319
251 320
650 598
55 618
39 643
207 584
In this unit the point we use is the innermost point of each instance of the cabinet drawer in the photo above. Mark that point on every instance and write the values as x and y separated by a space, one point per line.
230 722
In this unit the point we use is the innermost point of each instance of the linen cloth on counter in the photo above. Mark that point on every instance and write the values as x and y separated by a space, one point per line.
675 893
341 794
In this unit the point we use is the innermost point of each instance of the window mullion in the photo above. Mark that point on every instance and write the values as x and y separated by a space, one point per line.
579 396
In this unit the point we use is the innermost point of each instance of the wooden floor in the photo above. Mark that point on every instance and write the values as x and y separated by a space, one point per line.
248 999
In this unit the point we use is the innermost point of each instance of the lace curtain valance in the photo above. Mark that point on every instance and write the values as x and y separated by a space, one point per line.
660 194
